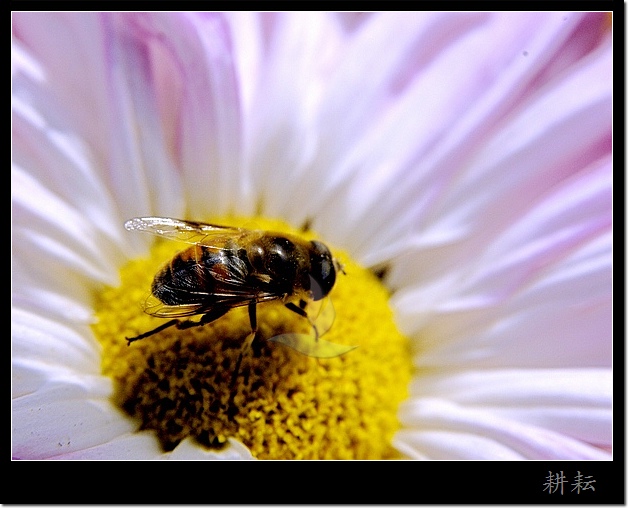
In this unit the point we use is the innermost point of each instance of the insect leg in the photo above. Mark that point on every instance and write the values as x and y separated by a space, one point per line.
170 323
301 312
311 344
248 341
247 344
208 317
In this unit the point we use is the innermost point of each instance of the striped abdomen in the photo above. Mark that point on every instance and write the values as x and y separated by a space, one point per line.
194 276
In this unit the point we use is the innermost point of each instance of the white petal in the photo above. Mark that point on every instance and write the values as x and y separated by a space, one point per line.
142 172
145 446
60 402
396 41
558 132
189 450
542 145
63 146
52 292
39 343
48 226
420 147
185 67
365 135
529 441
539 296
86 59
47 157
283 137
69 48
248 53
447 445
67 414
47 273
128 446
572 402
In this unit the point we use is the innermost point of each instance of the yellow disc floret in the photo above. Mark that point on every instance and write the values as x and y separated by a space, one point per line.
282 404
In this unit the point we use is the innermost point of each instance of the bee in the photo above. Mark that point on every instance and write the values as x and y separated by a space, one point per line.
227 267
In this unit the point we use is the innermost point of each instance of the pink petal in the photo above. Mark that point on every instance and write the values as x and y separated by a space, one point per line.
468 101
527 440
68 47
449 445
187 63
576 403
57 139
541 146
293 50
540 296
140 169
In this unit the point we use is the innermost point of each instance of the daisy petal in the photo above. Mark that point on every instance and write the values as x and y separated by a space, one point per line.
518 305
447 445
401 43
56 294
141 172
69 49
189 450
527 440
45 342
145 446
47 150
573 402
200 120
424 152
281 122
128 446
65 415
43 218
556 113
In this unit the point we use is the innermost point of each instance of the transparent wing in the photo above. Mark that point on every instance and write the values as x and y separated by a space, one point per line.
311 344
230 298
321 314
185 231
306 345
233 275
156 308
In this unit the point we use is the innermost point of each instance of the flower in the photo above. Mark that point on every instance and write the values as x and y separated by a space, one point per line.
465 156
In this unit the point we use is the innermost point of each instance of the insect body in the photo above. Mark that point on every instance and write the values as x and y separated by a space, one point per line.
227 267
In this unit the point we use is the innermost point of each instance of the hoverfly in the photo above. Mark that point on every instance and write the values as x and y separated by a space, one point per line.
228 267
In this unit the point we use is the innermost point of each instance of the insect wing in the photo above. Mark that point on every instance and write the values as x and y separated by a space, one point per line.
325 315
308 346
154 307
232 272
311 344
184 231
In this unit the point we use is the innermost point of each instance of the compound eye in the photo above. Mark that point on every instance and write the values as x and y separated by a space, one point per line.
323 271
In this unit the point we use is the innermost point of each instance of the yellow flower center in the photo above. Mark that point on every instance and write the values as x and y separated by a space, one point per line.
282 404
